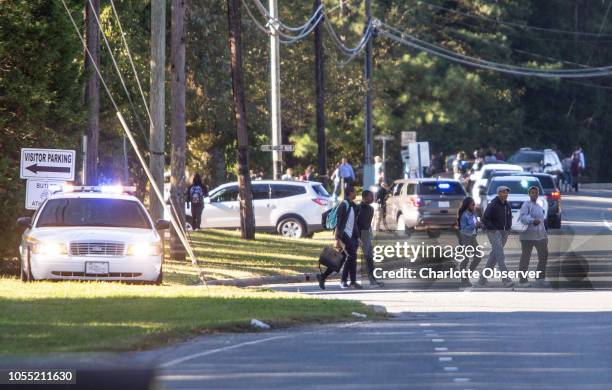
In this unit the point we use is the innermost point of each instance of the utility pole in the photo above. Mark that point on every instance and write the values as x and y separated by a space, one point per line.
92 94
320 100
156 102
178 132
275 100
247 219
368 168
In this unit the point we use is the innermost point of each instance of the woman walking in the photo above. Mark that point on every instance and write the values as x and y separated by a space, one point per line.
468 225
196 193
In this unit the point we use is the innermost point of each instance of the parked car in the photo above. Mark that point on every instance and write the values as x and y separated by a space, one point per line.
424 204
533 160
92 233
289 208
553 195
519 193
481 179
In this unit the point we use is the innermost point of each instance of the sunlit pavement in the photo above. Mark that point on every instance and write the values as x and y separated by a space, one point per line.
439 337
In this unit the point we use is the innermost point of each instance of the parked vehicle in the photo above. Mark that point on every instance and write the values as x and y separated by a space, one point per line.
424 204
289 208
92 233
533 160
481 179
519 193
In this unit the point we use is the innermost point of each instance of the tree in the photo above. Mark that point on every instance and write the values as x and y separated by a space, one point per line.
93 89
177 120
247 220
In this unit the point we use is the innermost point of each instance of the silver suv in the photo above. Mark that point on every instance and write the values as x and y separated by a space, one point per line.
424 204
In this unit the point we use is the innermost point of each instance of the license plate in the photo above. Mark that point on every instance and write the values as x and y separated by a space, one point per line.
96 268
443 204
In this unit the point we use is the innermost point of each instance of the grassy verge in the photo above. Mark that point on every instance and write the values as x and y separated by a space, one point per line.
90 316
222 254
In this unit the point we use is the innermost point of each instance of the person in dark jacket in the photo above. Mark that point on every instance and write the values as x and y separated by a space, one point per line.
347 239
497 219
365 214
196 193
381 199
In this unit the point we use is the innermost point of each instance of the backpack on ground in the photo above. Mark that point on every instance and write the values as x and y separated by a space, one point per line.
329 219
196 194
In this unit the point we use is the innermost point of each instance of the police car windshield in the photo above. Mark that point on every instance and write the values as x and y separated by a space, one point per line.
93 212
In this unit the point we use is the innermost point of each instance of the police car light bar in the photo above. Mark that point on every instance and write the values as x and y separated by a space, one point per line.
107 189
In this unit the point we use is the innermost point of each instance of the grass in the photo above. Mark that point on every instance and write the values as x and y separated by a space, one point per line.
102 316
223 254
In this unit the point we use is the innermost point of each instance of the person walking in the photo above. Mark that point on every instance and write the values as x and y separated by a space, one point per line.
347 240
468 226
532 215
497 219
288 174
381 200
346 173
196 193
365 214
309 173
335 177
575 170
567 175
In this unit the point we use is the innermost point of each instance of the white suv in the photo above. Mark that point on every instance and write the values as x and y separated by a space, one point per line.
290 208
92 233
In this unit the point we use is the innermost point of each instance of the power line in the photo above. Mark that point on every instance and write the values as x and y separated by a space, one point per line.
514 24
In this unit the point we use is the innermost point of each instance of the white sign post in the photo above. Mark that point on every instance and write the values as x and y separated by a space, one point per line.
39 190
47 164
419 156
408 137
276 148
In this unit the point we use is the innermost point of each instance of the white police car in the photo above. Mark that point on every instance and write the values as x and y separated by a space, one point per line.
92 233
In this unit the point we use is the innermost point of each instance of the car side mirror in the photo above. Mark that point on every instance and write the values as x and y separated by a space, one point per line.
162 224
25 222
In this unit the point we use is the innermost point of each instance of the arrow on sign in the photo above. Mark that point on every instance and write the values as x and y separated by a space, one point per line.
44 168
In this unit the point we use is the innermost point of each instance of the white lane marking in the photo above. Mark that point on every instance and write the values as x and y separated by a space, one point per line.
441 349
437 340
429 331
445 358
217 350
425 324
461 380
451 369
246 343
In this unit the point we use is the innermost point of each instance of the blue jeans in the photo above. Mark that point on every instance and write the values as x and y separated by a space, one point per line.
498 240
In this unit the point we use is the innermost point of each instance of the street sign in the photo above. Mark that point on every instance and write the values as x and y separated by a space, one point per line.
408 137
279 148
47 164
39 190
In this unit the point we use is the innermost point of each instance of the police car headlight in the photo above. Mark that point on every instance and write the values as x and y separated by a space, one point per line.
144 249
49 248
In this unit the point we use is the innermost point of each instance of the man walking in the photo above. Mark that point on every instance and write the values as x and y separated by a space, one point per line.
365 213
381 199
347 237
497 219
346 173
532 215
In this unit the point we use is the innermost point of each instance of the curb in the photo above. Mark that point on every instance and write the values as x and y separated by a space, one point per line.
596 186
259 281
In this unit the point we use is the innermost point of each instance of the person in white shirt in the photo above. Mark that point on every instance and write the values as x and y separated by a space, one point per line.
532 215
288 174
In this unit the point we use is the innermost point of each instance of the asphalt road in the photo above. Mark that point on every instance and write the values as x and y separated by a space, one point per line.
439 337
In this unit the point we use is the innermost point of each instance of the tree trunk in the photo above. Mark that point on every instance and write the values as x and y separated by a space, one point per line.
247 220
320 102
157 95
92 91
177 88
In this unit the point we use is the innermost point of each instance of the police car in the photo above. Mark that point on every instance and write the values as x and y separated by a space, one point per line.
92 233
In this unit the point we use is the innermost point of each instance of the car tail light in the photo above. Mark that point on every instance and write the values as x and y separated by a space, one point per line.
555 195
320 201
416 201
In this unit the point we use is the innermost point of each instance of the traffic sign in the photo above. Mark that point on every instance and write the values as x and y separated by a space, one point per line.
39 190
279 148
47 164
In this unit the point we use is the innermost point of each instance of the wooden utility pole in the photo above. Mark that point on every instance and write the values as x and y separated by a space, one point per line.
247 220
156 102
177 87
368 166
275 95
92 91
320 100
